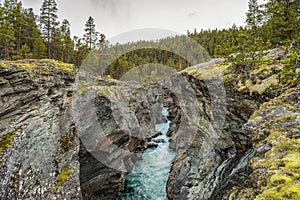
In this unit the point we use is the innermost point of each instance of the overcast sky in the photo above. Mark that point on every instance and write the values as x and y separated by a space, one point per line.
113 17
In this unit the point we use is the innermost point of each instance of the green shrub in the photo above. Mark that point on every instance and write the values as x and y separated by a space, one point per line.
289 71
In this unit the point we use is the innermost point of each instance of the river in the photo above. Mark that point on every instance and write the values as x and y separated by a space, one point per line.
149 177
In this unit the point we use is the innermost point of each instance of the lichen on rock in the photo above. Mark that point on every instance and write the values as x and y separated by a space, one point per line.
277 128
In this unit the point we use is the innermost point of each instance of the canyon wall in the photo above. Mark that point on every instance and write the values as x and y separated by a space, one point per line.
231 131
235 162
39 145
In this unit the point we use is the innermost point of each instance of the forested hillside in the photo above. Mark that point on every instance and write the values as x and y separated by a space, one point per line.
273 24
24 35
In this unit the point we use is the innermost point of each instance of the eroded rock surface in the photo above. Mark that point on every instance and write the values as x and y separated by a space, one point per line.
219 159
275 164
38 158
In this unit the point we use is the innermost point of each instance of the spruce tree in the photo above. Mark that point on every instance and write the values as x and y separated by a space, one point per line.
25 52
48 20
102 43
67 41
254 16
90 36
284 21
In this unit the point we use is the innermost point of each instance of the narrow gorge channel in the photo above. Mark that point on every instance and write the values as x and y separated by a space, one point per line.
149 177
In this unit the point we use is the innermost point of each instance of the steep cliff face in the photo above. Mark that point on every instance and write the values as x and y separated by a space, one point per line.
116 120
275 129
218 160
38 143
205 170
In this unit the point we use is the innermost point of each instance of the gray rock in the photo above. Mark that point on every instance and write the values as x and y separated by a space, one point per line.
278 53
40 161
159 140
213 160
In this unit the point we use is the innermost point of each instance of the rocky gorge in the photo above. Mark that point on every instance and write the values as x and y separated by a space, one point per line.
240 141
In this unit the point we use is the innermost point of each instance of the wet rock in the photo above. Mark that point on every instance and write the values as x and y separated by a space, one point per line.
158 133
159 140
126 115
99 181
152 145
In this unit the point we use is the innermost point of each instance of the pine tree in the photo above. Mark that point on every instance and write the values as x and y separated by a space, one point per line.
39 48
90 36
1 23
81 51
48 20
7 31
57 44
19 26
30 32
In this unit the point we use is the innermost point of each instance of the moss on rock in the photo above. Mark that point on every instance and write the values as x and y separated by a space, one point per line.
276 173
38 68
5 141
63 176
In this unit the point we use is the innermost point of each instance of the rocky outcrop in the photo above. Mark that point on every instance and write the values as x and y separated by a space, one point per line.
219 159
38 142
206 168
275 164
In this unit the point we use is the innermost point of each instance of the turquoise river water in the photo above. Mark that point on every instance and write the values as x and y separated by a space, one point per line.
149 177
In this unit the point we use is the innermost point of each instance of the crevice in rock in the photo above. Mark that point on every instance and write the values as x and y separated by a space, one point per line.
99 181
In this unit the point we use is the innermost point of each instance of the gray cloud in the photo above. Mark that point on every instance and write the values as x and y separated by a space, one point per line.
111 4
191 14
114 6
113 17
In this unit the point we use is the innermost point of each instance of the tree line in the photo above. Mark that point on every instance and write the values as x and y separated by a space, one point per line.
275 23
24 35
177 52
